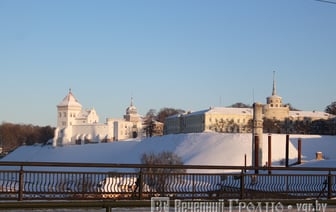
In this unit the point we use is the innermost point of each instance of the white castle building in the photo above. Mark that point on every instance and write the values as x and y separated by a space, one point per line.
239 120
78 126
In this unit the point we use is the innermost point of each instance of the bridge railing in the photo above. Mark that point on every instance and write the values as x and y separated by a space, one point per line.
90 181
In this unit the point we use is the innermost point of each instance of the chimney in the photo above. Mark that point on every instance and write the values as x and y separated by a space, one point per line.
269 164
319 156
299 151
287 150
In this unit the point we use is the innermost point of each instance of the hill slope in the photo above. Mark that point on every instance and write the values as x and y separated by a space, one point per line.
194 148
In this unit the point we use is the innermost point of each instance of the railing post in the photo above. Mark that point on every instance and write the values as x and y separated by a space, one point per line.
140 183
329 185
256 154
242 183
108 209
193 186
287 150
83 185
269 162
21 183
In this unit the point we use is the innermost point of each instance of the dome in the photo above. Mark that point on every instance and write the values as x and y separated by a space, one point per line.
131 109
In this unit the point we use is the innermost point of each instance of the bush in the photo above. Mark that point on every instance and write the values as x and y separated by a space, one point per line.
158 178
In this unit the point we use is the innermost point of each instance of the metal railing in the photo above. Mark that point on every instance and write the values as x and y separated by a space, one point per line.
87 181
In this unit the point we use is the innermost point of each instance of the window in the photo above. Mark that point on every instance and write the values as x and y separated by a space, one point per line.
60 114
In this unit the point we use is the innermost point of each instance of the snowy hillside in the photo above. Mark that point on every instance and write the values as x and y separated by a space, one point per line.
195 149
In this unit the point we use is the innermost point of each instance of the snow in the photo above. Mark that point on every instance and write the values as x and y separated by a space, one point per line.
224 110
315 114
195 149
70 100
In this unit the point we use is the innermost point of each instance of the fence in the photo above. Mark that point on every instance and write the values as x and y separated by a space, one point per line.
83 181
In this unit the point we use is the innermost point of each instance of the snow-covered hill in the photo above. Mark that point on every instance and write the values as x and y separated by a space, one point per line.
194 148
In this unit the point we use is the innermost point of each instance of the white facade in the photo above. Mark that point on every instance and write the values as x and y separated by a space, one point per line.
78 126
218 119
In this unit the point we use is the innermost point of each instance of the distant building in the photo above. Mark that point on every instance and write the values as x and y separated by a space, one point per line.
78 126
277 119
218 119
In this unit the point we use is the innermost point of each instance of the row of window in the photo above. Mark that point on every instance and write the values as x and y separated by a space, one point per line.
227 129
228 120
276 101
65 114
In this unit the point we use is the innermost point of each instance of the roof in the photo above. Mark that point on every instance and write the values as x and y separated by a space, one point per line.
231 110
70 100
313 114
249 111
224 110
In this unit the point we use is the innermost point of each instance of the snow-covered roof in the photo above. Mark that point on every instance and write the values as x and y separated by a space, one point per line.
225 110
249 111
83 114
311 114
70 100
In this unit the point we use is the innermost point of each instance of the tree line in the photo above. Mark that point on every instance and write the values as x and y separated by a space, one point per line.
15 135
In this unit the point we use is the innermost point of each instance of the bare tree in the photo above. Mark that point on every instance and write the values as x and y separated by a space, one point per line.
165 112
157 178
240 105
331 108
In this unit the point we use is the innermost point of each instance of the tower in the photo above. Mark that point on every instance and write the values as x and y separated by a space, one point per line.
274 109
274 101
257 133
132 113
67 111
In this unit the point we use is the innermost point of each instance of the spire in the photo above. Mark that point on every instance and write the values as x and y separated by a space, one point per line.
274 85
131 101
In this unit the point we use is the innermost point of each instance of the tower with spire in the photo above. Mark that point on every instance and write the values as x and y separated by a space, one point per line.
274 108
132 113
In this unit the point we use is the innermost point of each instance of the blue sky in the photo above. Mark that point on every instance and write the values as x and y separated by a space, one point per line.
189 54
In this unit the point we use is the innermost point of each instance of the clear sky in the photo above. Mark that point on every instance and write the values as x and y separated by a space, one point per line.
185 54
